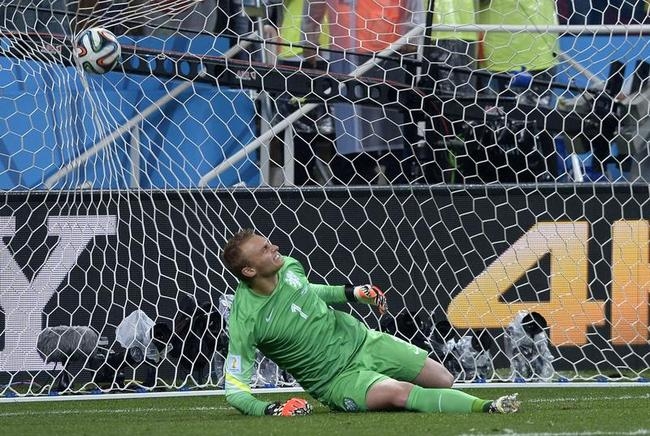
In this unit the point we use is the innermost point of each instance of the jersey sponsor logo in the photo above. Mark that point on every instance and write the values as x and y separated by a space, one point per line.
349 405
292 279
233 364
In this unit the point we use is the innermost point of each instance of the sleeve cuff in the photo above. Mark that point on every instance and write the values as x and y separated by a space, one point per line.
349 294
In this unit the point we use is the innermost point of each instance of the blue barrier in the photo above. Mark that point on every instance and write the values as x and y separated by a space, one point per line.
597 52
49 119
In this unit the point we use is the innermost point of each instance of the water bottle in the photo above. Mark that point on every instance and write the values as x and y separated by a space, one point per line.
216 369
286 379
520 80
225 303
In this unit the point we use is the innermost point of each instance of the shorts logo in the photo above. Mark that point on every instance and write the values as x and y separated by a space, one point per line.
349 405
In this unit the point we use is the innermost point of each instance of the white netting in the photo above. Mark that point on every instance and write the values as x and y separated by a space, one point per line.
486 163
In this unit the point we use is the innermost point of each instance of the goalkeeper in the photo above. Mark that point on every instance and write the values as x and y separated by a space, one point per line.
333 356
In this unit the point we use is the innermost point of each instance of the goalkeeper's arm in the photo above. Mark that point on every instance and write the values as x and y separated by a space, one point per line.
239 368
249 405
238 395
369 294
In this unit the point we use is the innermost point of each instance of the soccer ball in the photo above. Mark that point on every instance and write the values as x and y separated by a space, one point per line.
98 50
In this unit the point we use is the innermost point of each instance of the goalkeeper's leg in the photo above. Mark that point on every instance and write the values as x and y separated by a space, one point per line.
414 381
434 375
390 394
400 360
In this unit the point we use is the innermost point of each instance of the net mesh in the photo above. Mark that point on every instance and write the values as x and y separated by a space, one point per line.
485 163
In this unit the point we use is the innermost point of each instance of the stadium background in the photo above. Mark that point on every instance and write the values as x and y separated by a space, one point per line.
159 249
456 234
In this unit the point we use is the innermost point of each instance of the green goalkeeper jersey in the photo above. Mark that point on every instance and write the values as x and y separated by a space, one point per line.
295 328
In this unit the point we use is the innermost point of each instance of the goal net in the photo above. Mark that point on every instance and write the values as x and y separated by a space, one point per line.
485 163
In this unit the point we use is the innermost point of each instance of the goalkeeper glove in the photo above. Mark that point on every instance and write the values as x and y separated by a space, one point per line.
369 294
292 407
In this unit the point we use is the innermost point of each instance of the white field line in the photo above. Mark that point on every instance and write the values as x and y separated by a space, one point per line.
111 411
582 433
215 408
221 392
608 398
134 395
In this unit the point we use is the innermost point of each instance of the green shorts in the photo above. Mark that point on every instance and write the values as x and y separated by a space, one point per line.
382 356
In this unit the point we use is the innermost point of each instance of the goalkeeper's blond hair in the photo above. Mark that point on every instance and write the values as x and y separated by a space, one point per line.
233 257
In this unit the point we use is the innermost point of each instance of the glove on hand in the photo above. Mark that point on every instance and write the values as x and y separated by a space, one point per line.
370 294
292 407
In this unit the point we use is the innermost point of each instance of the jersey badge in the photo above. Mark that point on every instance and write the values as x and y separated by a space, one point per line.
292 279
233 364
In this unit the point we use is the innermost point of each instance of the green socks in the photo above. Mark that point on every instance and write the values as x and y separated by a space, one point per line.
444 401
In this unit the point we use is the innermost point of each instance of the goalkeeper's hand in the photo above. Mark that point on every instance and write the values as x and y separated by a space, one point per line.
371 294
292 407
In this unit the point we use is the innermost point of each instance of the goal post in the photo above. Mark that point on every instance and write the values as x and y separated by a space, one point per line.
503 212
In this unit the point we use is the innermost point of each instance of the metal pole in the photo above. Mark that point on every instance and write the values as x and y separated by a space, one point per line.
265 99
597 81
133 122
135 157
278 128
289 162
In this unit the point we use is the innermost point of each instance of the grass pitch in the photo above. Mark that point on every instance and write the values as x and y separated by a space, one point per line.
545 411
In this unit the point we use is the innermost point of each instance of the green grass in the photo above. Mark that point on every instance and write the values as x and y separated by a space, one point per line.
561 411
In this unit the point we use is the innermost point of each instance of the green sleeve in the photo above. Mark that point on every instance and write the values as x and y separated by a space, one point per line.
246 403
330 294
239 368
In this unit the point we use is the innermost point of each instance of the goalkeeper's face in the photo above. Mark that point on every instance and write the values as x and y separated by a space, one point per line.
262 258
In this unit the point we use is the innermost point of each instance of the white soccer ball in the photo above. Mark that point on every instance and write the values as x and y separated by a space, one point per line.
98 50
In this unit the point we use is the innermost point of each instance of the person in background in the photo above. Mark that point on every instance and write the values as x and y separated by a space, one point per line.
290 52
313 129
514 52
369 140
449 59
453 54
530 56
